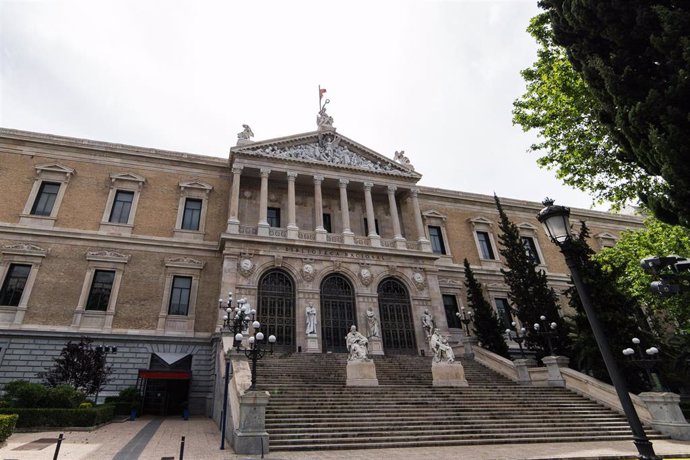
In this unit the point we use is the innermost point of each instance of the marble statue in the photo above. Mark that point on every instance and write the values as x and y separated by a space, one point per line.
357 345
372 324
403 160
245 136
323 120
427 323
311 319
439 346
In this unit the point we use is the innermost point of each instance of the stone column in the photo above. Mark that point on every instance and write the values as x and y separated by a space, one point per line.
318 210
553 367
263 203
421 236
374 238
521 367
393 207
292 229
348 236
233 218
468 343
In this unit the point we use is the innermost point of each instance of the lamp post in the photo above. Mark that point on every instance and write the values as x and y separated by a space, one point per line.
645 363
547 330
256 350
556 221
466 319
518 338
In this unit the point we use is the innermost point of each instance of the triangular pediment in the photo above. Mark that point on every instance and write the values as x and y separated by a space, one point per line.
127 176
196 184
325 148
55 168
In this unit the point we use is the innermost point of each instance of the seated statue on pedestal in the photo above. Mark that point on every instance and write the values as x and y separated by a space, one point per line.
357 345
442 351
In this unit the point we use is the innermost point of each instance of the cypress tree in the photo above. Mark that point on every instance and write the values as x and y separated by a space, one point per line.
486 324
530 292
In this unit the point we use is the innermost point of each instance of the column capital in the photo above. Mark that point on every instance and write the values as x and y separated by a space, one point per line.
368 185
237 169
414 191
291 175
265 172
343 183
392 188
318 179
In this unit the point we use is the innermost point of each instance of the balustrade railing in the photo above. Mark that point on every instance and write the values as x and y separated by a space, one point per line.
387 243
362 240
414 245
277 232
306 235
247 230
334 238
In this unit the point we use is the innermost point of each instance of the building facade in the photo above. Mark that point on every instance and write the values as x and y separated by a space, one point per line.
133 247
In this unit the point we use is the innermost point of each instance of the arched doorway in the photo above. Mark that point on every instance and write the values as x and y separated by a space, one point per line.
337 312
276 309
396 318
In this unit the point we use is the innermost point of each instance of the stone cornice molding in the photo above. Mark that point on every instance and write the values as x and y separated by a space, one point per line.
184 262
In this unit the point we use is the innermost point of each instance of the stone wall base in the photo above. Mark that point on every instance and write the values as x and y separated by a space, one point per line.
448 375
361 374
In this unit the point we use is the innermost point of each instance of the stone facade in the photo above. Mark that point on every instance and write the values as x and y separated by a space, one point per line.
314 217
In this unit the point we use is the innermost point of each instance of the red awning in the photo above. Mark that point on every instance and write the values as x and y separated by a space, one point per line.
165 375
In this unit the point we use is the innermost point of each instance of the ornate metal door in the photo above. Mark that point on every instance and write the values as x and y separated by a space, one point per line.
396 318
337 312
276 309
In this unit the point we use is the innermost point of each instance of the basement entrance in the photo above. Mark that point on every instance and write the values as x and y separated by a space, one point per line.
337 312
396 318
165 385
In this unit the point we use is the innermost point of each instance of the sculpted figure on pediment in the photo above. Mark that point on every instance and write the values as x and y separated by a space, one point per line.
403 160
245 136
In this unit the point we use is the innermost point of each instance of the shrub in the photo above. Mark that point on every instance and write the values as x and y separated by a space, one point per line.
64 396
22 393
86 405
62 418
7 424
129 394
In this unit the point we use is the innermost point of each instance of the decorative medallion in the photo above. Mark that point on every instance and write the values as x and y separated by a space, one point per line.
365 276
418 280
246 267
308 272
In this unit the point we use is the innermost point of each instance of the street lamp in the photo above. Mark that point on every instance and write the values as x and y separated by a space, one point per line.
556 221
256 350
547 330
645 363
518 338
466 319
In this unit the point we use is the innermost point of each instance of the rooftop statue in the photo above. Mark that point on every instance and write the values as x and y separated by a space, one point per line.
323 120
403 160
245 136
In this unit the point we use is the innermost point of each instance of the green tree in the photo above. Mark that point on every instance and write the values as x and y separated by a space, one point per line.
633 56
81 366
655 239
530 292
559 105
486 324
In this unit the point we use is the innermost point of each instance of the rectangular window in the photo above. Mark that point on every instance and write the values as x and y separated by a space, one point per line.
327 223
45 200
366 226
13 287
101 287
179 295
503 310
450 304
530 248
273 217
436 238
192 214
487 251
122 206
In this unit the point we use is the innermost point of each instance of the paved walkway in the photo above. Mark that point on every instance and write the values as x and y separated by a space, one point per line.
156 439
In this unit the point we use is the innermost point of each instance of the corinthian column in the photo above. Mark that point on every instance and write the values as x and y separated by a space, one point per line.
263 203
348 236
233 218
421 236
374 238
393 207
292 229
318 210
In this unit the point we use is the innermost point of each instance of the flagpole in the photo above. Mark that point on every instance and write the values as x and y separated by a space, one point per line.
320 96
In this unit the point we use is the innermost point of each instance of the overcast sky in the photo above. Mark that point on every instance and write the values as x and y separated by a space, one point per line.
434 78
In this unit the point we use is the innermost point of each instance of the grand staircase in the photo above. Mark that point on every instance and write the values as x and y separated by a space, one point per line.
311 408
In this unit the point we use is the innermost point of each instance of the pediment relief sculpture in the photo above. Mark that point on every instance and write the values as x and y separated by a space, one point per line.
195 184
106 255
184 262
24 249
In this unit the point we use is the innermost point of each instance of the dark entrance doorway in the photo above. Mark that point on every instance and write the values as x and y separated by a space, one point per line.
166 386
276 309
337 312
396 318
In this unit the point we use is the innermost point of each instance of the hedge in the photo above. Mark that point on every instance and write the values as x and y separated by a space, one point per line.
30 418
7 423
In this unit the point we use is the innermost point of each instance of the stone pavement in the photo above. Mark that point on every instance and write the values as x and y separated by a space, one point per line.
155 439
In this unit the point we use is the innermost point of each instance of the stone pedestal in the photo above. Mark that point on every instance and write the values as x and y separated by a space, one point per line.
233 226
448 375
321 234
468 343
375 346
666 414
361 373
553 367
313 344
262 229
521 366
348 238
292 232
251 436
